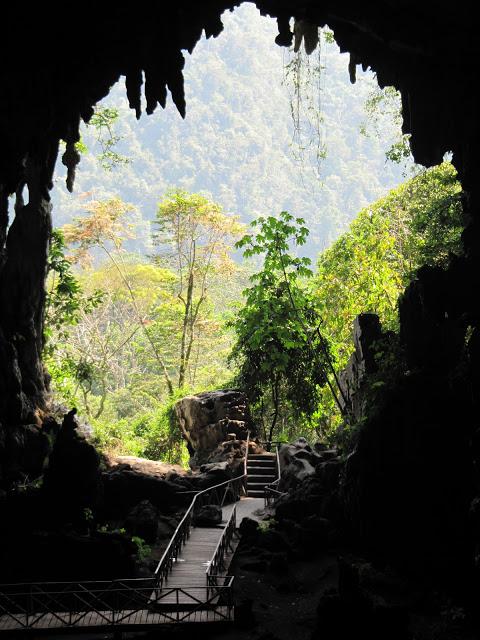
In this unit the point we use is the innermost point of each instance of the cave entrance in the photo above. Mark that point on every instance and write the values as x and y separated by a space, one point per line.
60 95
266 131
413 474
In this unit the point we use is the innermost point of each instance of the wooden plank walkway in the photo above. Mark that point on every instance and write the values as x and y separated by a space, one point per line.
143 618
191 566
177 606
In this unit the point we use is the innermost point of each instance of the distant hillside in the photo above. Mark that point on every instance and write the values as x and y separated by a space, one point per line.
235 143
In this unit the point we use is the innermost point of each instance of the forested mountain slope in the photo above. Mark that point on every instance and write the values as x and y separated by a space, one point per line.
236 141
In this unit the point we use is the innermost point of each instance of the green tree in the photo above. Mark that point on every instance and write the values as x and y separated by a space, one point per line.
387 102
65 299
105 227
282 357
193 238
368 267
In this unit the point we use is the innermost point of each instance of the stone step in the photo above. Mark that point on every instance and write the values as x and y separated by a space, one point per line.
270 462
261 471
257 485
267 479
255 494
259 456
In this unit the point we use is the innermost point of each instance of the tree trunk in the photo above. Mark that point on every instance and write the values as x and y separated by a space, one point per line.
183 347
276 408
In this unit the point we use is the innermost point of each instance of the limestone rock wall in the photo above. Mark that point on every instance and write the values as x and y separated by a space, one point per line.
366 330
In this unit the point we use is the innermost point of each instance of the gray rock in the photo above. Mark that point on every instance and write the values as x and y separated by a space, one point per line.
166 527
207 418
297 462
366 330
142 521
210 515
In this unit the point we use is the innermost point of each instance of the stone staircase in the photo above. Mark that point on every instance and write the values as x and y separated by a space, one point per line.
261 470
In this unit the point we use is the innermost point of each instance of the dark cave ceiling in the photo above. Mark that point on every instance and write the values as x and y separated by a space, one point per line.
56 66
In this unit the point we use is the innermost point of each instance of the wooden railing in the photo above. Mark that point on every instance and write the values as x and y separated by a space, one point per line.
217 564
122 603
271 492
218 494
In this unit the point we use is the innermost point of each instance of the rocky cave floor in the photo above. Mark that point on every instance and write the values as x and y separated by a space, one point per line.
297 574
300 603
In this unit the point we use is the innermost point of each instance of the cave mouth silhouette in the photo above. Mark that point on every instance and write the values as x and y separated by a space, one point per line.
410 486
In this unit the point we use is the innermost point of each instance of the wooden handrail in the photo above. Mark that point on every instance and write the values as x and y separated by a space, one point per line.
27 606
182 532
216 564
271 493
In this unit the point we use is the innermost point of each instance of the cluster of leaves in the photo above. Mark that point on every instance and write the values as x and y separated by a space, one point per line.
103 121
381 103
65 300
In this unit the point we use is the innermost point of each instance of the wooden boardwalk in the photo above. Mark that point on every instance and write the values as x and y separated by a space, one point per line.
191 566
139 619
184 597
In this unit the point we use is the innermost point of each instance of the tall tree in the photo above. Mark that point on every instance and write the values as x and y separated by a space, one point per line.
105 227
194 239
283 358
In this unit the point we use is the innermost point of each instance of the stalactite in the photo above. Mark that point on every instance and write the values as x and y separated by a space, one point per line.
155 89
307 33
175 82
213 26
86 113
3 222
70 159
352 67
133 85
285 35
22 290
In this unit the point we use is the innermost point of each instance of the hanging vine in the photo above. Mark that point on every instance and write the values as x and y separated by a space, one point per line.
303 76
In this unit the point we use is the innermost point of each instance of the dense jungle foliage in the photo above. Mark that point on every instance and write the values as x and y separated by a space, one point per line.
265 131
156 290
135 334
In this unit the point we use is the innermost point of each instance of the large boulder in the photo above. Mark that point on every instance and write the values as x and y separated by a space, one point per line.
371 604
125 488
142 521
210 515
65 555
155 468
298 461
206 419
24 452
72 481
